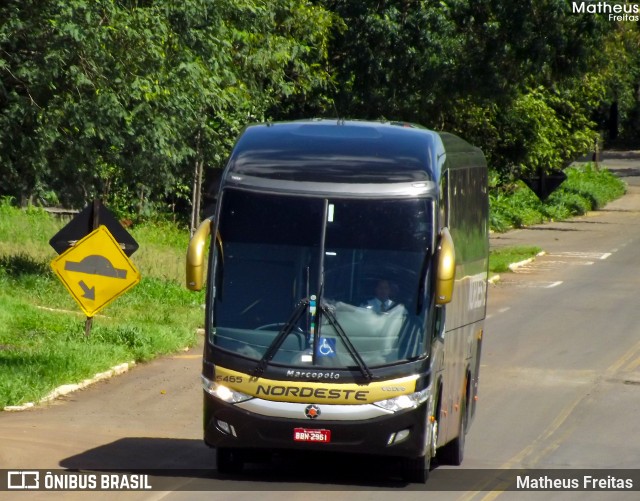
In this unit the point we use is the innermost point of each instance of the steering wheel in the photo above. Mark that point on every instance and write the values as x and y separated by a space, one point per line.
297 331
279 325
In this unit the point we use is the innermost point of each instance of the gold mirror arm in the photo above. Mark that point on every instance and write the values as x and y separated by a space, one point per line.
446 272
196 254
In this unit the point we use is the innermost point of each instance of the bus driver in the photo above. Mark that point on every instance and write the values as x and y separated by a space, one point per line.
382 301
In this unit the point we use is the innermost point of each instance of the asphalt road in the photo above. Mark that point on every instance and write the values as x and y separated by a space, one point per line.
559 388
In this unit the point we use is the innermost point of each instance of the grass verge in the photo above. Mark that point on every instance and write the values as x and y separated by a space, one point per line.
500 259
42 341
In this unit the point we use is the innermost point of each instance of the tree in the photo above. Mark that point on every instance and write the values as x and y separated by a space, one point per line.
121 99
520 79
130 100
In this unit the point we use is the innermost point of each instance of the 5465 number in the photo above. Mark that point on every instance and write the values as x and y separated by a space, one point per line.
229 379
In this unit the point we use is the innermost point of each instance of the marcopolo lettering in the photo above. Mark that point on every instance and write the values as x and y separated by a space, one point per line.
308 392
313 375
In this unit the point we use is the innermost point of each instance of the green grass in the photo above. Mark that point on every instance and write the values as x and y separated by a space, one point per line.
164 250
42 341
500 259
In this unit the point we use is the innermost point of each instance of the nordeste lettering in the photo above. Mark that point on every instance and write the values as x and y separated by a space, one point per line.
308 392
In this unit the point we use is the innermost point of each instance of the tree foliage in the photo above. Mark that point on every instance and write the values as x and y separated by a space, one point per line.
118 99
122 99
522 79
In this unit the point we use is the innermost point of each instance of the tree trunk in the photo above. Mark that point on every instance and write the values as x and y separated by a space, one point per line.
196 194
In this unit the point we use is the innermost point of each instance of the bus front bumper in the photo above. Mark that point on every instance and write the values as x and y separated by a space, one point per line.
318 427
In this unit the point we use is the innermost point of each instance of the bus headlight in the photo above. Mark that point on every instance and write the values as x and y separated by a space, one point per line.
223 393
404 402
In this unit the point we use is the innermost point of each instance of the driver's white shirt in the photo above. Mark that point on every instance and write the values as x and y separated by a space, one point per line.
379 306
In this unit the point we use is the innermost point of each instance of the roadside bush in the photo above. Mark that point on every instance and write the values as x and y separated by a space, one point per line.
586 188
597 186
514 206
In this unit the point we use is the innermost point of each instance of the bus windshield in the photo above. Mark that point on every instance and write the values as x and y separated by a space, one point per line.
305 273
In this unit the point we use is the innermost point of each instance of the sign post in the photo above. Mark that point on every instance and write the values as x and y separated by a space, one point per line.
95 222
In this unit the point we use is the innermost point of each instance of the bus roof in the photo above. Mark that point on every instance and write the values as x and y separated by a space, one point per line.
355 158
335 151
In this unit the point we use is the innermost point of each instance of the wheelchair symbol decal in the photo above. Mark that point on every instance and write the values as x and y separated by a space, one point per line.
326 347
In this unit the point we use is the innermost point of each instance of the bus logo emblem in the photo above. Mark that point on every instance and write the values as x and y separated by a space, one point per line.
312 411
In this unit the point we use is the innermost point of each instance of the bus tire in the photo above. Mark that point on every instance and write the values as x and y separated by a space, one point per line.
229 461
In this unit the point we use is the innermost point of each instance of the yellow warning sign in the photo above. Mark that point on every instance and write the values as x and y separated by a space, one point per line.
95 270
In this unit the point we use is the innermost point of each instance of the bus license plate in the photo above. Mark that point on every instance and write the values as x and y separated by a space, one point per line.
307 435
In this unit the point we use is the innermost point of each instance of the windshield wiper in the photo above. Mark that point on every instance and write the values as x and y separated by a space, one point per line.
282 335
333 321
291 324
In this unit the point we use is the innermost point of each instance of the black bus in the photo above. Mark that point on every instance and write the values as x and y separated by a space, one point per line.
346 293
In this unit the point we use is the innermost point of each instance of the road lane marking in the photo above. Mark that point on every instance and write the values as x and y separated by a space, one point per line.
624 359
533 284
560 419
581 255
556 262
633 365
501 310
527 451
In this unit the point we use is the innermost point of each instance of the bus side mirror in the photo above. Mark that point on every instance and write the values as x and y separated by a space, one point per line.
446 268
195 255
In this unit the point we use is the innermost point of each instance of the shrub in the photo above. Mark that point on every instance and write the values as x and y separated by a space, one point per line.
586 188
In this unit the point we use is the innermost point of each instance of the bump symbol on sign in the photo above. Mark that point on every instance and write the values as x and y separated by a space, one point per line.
96 265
